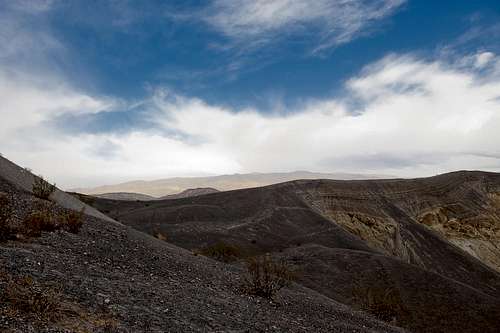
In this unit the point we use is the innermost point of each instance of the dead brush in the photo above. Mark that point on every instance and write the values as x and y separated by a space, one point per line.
384 303
222 252
49 219
42 189
106 325
39 220
6 212
25 296
265 278
159 235
72 221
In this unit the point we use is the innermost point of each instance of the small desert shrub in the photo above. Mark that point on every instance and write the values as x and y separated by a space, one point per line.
222 252
265 277
24 295
72 221
48 219
43 189
384 303
159 235
38 221
107 325
6 211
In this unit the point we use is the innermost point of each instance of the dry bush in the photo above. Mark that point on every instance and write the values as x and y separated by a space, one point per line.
49 220
265 277
6 211
159 235
106 325
72 221
25 296
38 221
384 303
222 251
42 189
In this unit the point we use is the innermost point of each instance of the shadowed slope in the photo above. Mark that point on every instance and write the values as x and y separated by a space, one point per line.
403 294
24 179
110 277
381 218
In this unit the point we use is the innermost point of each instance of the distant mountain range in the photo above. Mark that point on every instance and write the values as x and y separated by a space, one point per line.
169 186
191 192
129 196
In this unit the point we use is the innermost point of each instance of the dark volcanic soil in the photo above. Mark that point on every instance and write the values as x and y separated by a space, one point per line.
112 278
427 250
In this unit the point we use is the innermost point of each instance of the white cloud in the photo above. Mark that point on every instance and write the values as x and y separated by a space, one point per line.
32 91
254 23
417 118
27 102
483 59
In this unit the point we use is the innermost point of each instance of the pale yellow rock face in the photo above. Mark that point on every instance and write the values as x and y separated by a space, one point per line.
376 231
477 235
468 216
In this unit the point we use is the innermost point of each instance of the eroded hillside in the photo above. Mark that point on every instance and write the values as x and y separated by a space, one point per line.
106 277
386 243
462 207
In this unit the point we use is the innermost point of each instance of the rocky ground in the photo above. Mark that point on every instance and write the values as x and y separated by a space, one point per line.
112 278
420 254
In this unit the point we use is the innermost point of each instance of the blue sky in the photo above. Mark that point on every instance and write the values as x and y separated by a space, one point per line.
122 90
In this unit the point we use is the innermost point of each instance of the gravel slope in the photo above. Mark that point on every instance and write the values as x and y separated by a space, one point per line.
24 179
109 272
337 229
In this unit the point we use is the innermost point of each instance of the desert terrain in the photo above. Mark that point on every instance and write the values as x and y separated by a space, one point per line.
398 255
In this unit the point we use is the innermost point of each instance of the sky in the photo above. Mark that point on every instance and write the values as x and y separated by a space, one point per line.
100 92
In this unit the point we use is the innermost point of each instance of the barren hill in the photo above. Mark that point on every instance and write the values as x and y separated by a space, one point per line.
129 196
429 246
125 196
416 255
169 186
191 192
107 277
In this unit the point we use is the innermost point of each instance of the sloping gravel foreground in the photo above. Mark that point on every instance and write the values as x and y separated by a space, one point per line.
23 178
111 278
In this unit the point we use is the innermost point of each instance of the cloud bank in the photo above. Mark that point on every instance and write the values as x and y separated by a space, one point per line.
401 115
412 117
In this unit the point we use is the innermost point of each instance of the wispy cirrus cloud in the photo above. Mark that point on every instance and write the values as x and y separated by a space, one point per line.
327 23
402 115
26 43
30 6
